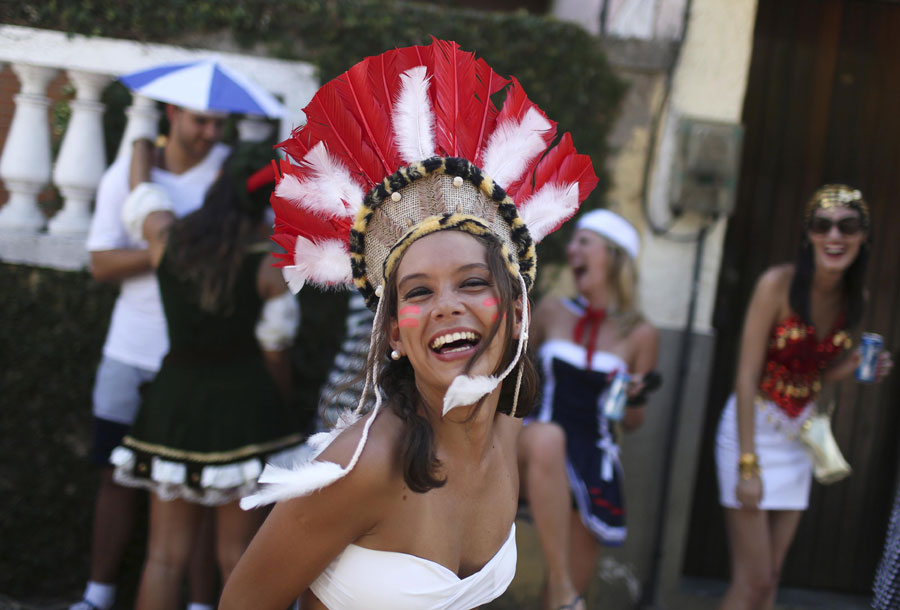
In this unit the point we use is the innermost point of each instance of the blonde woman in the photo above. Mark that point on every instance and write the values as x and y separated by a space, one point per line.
569 464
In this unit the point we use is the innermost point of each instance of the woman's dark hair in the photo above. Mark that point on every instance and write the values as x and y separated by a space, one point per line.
397 378
854 279
205 247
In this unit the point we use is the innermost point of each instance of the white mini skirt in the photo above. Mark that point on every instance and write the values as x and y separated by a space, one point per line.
785 466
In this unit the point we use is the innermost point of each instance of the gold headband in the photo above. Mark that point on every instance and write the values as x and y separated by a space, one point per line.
438 194
838 196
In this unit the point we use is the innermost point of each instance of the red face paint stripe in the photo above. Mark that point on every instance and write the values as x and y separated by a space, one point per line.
409 309
491 302
408 322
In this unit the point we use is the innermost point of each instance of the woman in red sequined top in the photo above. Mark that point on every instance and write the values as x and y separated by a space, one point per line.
796 337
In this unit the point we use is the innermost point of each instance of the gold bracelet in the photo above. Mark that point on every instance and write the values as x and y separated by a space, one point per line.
748 466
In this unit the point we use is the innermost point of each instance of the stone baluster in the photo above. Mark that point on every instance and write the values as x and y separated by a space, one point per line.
82 156
253 129
25 163
143 122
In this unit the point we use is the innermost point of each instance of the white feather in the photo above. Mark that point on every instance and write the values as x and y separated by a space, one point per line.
548 207
305 476
413 118
326 262
293 278
466 390
280 483
328 190
513 145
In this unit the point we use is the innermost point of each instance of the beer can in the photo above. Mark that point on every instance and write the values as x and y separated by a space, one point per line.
616 396
870 345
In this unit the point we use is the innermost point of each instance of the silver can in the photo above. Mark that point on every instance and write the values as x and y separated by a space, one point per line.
870 345
616 396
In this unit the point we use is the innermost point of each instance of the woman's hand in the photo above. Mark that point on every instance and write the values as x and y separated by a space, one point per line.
749 491
883 366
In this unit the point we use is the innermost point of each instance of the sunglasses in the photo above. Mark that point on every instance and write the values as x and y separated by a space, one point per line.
846 226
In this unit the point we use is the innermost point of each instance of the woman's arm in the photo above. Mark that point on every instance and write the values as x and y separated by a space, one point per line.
302 536
156 233
645 339
766 304
278 325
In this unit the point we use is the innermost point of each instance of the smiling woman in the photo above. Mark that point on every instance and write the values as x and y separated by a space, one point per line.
415 502
797 333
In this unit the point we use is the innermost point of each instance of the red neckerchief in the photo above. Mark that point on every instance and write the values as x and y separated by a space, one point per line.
591 320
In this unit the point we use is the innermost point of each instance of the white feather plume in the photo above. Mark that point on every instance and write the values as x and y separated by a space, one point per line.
413 118
279 483
466 390
293 278
549 207
329 188
326 263
513 146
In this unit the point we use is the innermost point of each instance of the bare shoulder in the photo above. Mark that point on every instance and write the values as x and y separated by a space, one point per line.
548 306
378 465
644 335
776 279
547 311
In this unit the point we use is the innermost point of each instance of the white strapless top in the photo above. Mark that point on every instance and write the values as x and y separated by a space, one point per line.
367 579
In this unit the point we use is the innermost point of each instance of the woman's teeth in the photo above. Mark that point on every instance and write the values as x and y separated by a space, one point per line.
834 250
467 336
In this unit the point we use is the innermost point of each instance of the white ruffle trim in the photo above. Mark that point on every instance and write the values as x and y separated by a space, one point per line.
285 479
219 484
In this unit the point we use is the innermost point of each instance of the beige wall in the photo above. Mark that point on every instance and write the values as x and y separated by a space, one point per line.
709 83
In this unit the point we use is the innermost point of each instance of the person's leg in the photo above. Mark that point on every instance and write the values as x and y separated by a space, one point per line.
173 531
583 549
116 398
235 529
542 466
782 527
113 522
751 559
202 569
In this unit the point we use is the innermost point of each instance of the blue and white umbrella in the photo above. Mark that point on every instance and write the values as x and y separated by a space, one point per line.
204 85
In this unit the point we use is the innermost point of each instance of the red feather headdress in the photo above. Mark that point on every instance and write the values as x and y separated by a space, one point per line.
399 109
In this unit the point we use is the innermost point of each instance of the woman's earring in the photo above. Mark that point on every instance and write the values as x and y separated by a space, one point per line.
395 355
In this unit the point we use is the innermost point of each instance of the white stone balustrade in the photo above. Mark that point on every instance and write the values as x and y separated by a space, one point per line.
25 164
82 158
90 64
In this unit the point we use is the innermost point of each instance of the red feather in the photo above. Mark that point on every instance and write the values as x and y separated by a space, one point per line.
481 107
561 165
454 93
297 145
328 119
514 107
353 87
383 73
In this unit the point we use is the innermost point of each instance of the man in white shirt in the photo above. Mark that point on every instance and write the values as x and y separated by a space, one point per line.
137 340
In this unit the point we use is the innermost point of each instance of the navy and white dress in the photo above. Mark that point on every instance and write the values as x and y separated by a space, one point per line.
572 398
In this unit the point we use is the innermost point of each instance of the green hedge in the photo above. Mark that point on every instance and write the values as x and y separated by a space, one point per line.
53 323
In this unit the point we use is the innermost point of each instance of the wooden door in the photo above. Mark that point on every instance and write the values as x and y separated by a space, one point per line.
822 105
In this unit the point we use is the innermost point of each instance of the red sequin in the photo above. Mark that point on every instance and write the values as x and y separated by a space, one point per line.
795 361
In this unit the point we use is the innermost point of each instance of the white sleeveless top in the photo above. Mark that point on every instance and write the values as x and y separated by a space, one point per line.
367 579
